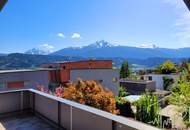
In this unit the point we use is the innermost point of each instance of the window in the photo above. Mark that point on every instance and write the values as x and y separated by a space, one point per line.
149 77
2 84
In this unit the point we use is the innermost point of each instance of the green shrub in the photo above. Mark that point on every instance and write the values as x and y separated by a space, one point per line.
167 67
167 82
147 109
124 107
123 92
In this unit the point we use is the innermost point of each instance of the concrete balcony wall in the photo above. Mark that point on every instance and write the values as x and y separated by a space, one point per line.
66 114
10 102
47 107
83 120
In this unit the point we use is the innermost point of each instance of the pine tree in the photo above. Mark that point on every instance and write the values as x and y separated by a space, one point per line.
125 70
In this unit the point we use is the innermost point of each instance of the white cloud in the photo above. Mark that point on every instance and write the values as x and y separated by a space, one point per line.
76 36
61 35
182 23
46 47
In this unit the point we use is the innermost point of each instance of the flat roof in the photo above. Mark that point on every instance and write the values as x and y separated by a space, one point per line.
59 62
169 111
2 4
136 81
25 70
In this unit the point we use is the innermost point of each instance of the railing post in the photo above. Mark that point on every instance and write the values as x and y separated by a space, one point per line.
33 105
59 114
113 125
21 100
71 118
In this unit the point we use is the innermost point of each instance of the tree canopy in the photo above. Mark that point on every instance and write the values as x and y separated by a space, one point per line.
89 93
167 67
125 70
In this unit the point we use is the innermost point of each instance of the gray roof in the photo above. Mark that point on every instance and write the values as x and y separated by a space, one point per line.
25 70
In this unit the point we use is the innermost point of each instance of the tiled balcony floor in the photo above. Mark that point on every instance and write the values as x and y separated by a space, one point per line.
24 122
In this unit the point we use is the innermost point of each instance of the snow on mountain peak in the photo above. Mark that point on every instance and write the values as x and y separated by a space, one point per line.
151 46
44 49
101 44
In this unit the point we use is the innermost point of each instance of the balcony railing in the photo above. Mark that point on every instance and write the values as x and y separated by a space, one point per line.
64 113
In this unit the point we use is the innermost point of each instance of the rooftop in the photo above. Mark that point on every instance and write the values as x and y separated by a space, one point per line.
25 70
61 62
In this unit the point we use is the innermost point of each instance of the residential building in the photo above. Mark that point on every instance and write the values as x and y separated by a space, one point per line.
172 118
98 70
109 78
26 78
158 78
138 87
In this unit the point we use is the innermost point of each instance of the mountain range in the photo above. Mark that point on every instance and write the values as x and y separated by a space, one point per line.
104 49
142 57
24 61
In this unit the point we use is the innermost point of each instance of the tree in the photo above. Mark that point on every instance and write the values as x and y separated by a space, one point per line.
91 93
124 107
122 92
125 70
167 68
147 109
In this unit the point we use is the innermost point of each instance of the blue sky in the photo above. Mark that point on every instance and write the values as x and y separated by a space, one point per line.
55 24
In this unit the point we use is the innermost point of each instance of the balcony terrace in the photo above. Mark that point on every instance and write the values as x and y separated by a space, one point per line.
31 109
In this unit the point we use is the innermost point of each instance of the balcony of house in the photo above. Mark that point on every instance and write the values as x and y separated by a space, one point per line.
32 109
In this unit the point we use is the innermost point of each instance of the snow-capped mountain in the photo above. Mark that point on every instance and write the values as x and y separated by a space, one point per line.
44 49
37 51
152 46
100 44
103 49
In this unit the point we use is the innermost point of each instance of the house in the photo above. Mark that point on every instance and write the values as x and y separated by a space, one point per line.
158 78
98 70
171 117
26 78
138 87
